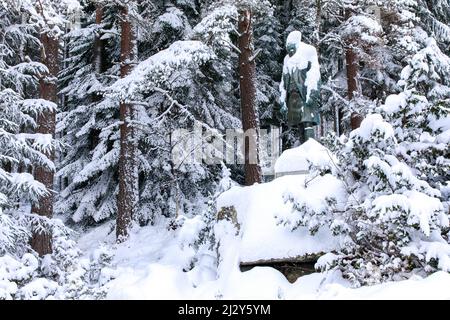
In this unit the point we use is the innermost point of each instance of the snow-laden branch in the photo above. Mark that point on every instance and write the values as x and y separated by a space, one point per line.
337 95
255 55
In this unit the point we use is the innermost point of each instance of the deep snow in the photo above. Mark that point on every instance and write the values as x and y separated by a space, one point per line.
259 207
150 266
155 262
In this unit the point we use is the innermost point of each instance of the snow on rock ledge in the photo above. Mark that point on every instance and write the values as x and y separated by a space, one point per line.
298 160
262 238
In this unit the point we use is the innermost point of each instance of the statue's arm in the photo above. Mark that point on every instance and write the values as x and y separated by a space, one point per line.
314 72
284 85
283 97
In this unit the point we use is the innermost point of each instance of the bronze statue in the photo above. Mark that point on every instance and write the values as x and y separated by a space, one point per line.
300 87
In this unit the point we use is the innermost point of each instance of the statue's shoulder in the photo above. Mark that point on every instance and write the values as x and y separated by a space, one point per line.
307 48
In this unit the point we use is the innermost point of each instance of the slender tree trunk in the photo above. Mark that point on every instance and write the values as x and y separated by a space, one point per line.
98 62
318 22
287 10
128 180
352 72
247 73
98 43
352 65
46 121
338 112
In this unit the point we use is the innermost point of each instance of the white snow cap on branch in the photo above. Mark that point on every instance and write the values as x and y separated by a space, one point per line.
160 67
371 124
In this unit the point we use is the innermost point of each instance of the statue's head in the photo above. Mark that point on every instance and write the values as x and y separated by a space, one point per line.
293 41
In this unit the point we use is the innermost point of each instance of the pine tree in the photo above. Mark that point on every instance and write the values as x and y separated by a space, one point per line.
25 275
247 74
41 241
392 223
128 177
88 123
19 111
90 166
420 114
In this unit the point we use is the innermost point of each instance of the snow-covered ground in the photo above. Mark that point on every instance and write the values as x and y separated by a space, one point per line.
150 266
156 261
153 263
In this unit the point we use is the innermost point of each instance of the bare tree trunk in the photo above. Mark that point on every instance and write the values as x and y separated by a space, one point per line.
247 73
98 62
46 121
318 23
338 112
128 180
98 44
352 65
287 9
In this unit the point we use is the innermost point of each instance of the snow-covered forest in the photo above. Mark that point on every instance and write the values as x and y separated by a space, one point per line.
151 150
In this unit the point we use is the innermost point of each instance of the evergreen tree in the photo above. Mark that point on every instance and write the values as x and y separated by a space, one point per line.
20 147
26 275
393 223
88 123
420 115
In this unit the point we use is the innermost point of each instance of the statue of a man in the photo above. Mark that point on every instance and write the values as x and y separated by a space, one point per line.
300 86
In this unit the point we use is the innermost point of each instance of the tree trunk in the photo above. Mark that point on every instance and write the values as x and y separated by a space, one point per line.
287 11
41 242
247 73
98 60
352 66
128 180
318 23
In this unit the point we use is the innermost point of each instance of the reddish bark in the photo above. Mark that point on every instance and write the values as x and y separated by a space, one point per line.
128 188
98 60
247 73
352 65
352 71
41 242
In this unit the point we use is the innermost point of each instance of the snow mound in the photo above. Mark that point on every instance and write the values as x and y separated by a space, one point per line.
151 264
300 159
431 288
263 238
394 103
374 125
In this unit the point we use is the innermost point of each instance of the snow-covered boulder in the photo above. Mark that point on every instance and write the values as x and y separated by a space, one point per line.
261 237
298 160
258 225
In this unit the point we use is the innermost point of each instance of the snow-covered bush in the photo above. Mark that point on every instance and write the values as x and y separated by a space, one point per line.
64 274
393 221
421 118
389 209
201 231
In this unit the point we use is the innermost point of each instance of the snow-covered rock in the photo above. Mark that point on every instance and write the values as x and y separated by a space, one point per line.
263 238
